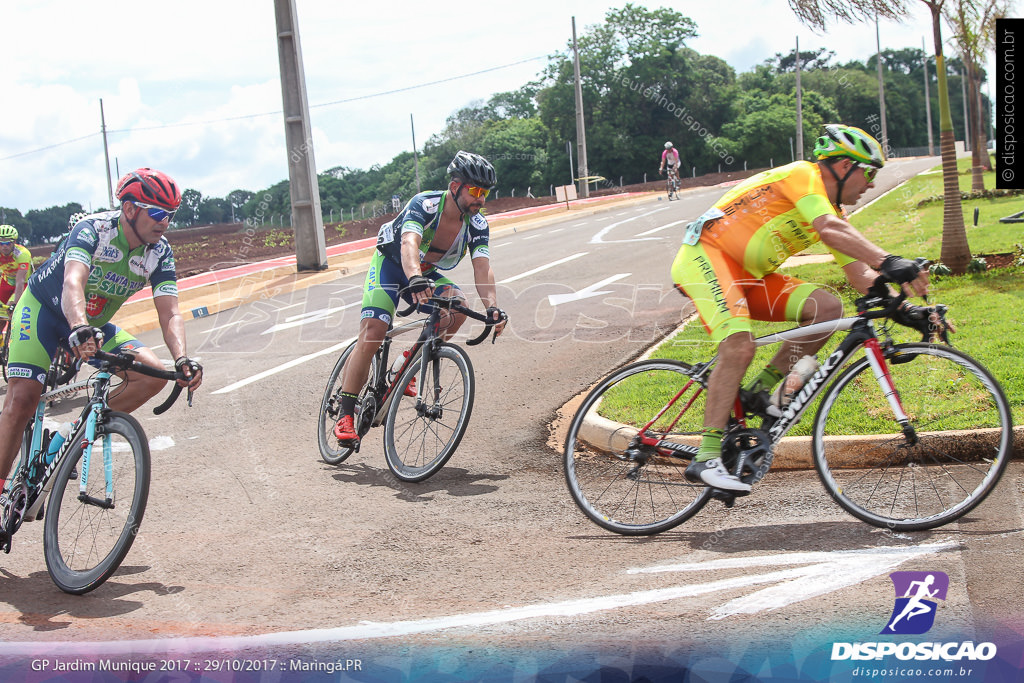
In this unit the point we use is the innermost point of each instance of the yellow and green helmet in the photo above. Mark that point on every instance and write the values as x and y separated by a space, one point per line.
850 142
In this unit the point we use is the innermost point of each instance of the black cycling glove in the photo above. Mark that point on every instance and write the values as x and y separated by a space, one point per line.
81 334
495 314
898 269
419 283
193 367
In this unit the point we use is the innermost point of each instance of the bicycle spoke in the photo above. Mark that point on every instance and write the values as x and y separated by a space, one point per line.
620 484
961 423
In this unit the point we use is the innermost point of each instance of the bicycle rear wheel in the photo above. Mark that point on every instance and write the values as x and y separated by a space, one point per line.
620 482
421 433
331 451
85 542
963 433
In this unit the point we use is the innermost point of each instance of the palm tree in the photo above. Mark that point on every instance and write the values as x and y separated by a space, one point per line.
973 23
956 253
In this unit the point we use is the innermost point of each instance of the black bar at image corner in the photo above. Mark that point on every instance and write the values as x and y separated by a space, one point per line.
1009 96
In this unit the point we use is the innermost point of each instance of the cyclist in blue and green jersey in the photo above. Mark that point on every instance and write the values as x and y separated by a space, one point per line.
434 232
71 298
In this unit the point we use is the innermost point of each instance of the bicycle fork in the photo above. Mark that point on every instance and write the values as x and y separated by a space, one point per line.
88 440
880 368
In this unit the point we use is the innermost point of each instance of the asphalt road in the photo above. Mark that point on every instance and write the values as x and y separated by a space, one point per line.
250 540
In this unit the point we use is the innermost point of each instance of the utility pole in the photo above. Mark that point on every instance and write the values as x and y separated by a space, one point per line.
307 221
881 91
581 133
106 156
415 157
799 108
927 101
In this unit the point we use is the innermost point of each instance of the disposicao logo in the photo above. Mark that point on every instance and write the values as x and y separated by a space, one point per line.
917 598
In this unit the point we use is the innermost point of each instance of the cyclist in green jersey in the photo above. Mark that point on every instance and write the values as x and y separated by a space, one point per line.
71 298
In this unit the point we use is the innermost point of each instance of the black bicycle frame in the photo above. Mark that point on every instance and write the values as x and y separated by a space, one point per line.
861 334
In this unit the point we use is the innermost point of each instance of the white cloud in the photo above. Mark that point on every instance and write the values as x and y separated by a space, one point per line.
158 67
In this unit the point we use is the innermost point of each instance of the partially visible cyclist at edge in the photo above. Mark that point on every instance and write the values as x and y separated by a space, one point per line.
432 233
71 298
15 267
730 254
670 158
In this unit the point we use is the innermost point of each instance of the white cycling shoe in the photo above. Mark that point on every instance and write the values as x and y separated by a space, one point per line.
713 473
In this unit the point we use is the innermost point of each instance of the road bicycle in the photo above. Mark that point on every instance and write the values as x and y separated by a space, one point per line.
424 422
5 343
907 436
672 185
91 518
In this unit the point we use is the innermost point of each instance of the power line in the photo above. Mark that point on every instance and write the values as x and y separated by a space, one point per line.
278 112
54 145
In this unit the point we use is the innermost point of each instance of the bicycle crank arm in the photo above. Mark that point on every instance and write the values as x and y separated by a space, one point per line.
106 504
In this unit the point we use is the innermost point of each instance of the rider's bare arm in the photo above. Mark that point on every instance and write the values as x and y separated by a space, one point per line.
843 237
172 325
483 275
72 302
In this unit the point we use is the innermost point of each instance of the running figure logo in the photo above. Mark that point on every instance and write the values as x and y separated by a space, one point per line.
917 595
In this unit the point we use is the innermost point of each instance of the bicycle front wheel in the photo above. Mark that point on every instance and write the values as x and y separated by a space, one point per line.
86 538
619 477
422 432
958 445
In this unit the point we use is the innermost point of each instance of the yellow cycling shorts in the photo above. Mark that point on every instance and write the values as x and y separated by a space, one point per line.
728 297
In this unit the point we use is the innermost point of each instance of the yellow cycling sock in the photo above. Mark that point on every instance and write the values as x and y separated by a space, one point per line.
710 445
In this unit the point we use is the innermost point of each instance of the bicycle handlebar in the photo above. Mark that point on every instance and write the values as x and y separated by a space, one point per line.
452 304
880 298
125 361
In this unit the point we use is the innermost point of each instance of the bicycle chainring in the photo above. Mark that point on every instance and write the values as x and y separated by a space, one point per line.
15 506
365 413
747 453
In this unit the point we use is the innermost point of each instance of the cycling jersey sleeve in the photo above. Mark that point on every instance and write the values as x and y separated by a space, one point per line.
479 237
811 200
164 278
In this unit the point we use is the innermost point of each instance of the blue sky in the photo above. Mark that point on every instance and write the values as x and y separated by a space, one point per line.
169 78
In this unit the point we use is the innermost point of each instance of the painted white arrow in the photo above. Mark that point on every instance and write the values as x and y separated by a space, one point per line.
586 292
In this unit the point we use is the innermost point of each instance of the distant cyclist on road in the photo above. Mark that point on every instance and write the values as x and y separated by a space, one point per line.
15 267
670 159
70 300
730 254
432 233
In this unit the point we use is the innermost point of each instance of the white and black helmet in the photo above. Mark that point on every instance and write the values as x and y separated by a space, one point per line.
668 145
473 169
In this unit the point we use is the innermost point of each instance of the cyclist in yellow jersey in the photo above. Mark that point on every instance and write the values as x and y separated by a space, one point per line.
730 254
15 266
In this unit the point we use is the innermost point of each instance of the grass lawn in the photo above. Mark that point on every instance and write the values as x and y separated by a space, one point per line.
985 307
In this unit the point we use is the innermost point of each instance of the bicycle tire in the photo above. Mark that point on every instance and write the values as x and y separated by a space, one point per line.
331 451
84 544
5 349
964 430
622 486
418 442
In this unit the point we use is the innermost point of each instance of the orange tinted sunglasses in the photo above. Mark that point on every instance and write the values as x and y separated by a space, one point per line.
477 192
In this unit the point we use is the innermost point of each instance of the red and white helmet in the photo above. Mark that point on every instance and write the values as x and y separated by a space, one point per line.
149 186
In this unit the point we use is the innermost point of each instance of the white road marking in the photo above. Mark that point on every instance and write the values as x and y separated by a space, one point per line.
542 268
599 237
285 366
307 318
586 292
824 573
668 225
865 563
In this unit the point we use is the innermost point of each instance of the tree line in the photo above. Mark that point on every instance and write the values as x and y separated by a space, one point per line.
641 86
